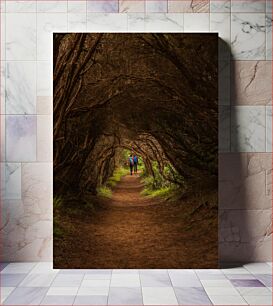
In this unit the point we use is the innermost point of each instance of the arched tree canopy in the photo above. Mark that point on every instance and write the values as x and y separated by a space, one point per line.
155 93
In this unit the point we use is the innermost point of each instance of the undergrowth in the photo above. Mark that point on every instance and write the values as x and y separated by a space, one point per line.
62 207
57 229
116 177
164 192
106 190
158 185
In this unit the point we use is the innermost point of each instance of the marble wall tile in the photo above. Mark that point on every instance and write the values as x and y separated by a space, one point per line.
131 6
12 232
153 6
248 129
196 22
77 6
39 230
248 6
3 6
2 184
243 181
251 83
269 6
245 235
44 138
20 138
245 252
224 78
37 189
44 105
46 25
58 6
37 218
99 22
20 36
188 6
164 22
220 23
12 181
3 87
268 23
220 6
77 22
44 78
25 235
136 22
3 138
248 36
224 128
103 6
3 36
258 161
268 128
20 87
21 6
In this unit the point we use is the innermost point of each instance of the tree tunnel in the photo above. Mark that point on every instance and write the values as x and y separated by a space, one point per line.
155 93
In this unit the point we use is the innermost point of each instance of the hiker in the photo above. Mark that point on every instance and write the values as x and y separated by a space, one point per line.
135 163
131 164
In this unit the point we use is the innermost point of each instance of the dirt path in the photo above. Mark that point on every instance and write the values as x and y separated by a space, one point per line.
132 231
127 193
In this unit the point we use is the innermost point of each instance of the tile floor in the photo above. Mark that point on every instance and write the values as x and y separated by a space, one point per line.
40 284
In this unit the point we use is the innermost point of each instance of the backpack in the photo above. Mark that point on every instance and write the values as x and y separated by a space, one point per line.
131 160
135 159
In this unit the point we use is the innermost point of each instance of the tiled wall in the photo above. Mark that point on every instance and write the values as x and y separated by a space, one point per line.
245 98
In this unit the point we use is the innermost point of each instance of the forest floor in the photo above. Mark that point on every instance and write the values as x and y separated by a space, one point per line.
132 231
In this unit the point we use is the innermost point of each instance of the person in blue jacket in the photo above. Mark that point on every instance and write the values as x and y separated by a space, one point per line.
131 163
135 163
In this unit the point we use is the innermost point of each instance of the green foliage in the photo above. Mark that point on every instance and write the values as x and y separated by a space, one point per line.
104 191
70 206
159 180
160 184
116 177
57 230
57 202
57 205
141 166
124 158
163 192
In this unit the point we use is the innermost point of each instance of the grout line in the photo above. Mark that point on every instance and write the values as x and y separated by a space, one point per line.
107 301
78 288
141 288
203 285
176 296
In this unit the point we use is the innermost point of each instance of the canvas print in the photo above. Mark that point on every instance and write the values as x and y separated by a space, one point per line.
135 150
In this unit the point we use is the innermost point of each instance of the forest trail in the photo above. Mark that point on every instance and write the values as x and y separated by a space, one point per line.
127 193
133 231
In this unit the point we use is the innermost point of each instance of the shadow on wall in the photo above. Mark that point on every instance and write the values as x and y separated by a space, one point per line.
244 193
